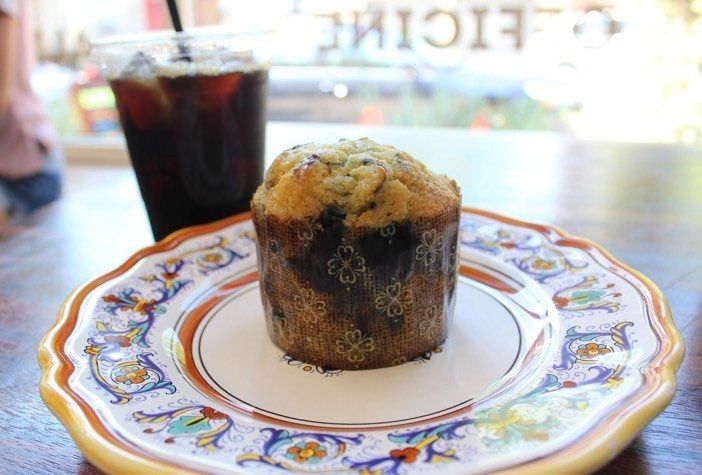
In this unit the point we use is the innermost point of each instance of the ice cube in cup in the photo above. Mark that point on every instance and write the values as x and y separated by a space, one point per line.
140 66
140 94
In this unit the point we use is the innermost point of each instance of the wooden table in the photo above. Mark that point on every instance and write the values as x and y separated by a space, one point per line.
642 202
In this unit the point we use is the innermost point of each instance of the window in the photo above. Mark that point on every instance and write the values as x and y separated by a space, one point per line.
608 69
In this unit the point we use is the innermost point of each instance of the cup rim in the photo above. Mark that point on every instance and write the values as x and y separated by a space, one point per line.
155 37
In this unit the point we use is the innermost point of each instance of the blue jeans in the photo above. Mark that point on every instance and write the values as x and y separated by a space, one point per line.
24 195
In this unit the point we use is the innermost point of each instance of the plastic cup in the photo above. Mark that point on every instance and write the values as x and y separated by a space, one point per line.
193 111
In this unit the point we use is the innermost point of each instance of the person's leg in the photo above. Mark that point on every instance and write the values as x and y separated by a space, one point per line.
29 194
25 195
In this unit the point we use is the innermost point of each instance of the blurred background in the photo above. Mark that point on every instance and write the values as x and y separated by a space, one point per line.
621 70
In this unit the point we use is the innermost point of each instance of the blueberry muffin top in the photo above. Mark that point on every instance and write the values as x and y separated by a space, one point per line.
370 184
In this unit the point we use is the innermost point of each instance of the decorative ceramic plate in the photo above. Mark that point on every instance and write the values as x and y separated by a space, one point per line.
557 357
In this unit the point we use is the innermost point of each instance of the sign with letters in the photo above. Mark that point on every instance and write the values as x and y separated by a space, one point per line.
500 26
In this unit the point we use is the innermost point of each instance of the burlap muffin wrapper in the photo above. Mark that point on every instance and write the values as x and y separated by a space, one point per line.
357 298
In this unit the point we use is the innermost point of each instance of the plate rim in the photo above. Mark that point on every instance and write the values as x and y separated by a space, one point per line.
588 453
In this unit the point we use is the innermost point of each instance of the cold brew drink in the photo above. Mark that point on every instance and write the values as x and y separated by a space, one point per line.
194 121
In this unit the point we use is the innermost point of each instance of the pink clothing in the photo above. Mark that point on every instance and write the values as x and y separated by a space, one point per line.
24 129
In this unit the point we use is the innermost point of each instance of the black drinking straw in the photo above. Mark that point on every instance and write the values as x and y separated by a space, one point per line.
175 16
178 26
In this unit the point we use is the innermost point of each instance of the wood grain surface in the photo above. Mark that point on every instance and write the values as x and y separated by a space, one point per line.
642 202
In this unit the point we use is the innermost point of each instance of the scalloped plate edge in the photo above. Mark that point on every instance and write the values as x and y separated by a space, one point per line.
615 432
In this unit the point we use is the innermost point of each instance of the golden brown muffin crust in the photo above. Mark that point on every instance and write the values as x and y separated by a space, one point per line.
371 184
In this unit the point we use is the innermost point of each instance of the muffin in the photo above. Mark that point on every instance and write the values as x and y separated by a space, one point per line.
356 254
